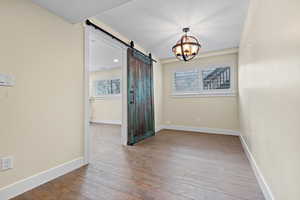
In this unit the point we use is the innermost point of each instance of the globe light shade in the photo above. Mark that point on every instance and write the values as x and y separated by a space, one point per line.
187 47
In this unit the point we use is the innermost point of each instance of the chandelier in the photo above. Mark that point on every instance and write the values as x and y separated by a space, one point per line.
187 47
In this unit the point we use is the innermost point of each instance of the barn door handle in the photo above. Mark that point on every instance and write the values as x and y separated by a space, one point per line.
131 97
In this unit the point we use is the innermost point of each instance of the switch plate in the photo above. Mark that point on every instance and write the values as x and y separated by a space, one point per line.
7 80
6 163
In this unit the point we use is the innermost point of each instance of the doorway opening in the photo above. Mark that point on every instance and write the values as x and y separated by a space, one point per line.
119 97
106 119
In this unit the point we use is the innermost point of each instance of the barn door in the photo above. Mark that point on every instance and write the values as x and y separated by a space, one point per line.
140 97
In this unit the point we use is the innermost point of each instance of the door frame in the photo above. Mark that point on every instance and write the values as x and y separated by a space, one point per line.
87 133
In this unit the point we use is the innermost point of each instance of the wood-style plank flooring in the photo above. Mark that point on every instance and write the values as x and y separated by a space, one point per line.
170 166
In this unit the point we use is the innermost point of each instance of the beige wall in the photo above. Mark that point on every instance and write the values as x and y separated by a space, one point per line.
269 80
41 117
107 108
200 112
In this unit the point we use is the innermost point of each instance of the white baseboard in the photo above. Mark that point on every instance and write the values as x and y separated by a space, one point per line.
159 128
202 130
259 176
34 181
112 122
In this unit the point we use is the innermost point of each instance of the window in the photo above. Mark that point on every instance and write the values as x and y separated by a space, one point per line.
216 78
107 87
187 81
115 86
204 81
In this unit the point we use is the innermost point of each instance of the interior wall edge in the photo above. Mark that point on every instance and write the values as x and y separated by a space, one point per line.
269 69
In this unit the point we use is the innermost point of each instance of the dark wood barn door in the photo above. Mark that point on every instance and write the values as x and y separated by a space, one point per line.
140 97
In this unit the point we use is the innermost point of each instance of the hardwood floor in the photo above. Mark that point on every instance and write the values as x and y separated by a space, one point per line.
170 166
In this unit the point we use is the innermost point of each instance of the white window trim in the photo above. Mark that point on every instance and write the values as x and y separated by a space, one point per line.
203 93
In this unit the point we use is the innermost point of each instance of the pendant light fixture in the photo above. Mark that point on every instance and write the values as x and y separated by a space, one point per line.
187 47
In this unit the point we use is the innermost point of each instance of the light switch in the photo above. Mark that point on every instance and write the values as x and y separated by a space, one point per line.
7 80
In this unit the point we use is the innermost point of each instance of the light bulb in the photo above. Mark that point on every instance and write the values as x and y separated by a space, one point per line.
194 49
186 48
178 50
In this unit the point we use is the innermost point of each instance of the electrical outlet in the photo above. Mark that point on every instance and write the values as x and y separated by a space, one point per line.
6 163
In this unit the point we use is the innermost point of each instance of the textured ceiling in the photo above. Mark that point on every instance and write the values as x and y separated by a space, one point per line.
77 10
157 24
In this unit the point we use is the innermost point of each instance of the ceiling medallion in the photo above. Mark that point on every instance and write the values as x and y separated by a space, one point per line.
187 47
